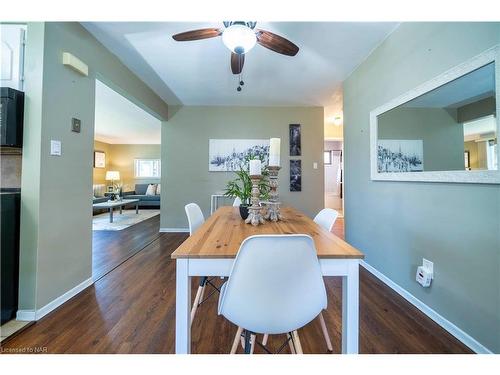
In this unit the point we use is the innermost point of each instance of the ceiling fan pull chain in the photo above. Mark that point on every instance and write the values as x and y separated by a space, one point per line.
241 83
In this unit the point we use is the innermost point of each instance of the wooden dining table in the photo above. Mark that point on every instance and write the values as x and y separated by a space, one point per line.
211 251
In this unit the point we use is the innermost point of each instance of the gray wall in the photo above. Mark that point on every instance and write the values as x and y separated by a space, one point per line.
443 137
457 226
185 175
56 204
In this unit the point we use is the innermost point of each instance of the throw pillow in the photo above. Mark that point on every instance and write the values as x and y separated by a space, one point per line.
158 189
151 189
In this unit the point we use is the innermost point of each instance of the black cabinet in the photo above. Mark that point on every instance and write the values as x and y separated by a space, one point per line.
11 117
10 209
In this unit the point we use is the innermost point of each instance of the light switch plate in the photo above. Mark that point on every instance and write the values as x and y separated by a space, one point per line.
428 265
55 148
315 165
76 125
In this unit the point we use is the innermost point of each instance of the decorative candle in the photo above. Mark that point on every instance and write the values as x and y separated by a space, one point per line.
274 152
255 167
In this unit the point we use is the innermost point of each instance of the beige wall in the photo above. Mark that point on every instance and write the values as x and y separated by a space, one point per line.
120 157
185 175
99 174
333 131
473 157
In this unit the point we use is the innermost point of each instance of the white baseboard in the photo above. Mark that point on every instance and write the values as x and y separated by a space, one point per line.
26 315
31 315
465 338
174 230
40 313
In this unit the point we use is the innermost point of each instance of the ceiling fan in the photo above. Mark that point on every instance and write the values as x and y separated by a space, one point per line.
240 37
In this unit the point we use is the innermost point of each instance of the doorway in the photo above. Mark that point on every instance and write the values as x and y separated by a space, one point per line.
334 175
126 180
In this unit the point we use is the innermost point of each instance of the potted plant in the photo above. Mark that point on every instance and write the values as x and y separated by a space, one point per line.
241 186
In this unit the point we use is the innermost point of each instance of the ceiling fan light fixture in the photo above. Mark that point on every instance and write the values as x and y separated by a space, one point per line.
239 38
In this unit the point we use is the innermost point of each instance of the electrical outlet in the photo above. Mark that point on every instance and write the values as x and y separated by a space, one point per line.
428 265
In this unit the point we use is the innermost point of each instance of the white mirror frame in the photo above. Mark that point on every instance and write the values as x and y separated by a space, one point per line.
476 176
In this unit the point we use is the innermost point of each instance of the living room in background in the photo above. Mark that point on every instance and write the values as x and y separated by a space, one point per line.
126 178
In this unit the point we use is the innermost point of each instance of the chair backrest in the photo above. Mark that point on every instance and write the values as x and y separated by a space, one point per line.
195 217
275 285
237 202
326 218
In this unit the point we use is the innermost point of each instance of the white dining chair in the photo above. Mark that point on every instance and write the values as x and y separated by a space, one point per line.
275 287
195 220
237 202
326 218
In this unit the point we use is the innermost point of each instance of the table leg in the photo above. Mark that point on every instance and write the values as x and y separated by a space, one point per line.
111 214
121 208
182 308
350 309
137 208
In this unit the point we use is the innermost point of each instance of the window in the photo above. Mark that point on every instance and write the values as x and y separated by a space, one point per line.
327 157
147 168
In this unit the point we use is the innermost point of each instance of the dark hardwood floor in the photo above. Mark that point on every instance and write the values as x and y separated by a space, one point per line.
112 247
132 310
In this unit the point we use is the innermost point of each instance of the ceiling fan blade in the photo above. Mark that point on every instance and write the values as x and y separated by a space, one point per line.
197 34
237 62
276 43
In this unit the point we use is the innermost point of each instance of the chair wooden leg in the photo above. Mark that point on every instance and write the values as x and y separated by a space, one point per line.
264 340
325 332
236 340
197 299
298 345
290 343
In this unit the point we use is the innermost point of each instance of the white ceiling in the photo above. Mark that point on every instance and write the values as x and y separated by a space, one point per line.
198 72
119 121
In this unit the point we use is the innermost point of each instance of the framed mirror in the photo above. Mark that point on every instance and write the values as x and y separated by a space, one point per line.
445 130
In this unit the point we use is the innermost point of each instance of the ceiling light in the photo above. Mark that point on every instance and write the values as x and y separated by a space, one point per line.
239 38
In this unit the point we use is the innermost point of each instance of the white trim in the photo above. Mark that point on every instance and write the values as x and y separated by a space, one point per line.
462 336
478 177
32 315
174 230
26 315
40 313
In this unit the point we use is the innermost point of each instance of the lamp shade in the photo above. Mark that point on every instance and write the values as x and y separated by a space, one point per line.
239 38
112 175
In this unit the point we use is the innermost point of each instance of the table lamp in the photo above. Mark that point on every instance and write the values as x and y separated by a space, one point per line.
112 176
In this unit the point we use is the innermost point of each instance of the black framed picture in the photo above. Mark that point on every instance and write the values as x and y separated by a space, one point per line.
295 175
295 146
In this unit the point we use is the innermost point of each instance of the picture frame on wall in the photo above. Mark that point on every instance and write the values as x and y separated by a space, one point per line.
99 159
230 155
295 141
295 175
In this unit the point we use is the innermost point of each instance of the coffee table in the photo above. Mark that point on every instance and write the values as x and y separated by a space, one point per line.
112 204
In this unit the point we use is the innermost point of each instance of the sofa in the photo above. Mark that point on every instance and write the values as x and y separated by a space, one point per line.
152 201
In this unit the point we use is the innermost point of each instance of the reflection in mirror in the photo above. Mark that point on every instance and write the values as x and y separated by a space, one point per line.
451 128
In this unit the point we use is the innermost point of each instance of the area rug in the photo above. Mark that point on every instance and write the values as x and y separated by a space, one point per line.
120 222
